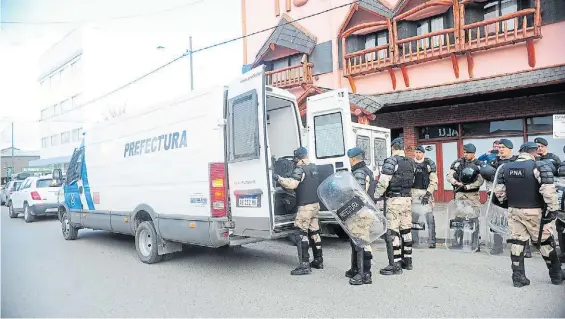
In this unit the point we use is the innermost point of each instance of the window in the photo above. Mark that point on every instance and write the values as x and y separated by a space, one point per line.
493 128
438 131
328 133
75 168
244 137
76 134
52 82
47 112
282 63
380 150
66 105
55 140
63 78
57 109
539 124
430 25
498 8
45 142
364 142
76 69
76 101
65 137
43 183
374 40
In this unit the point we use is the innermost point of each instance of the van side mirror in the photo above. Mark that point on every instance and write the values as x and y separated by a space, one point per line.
58 175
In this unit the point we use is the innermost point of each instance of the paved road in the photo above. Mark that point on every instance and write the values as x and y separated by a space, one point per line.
99 275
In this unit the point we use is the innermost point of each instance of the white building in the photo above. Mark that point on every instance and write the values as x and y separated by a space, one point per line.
78 73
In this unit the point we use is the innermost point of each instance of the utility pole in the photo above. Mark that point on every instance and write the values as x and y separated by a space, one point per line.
190 57
12 168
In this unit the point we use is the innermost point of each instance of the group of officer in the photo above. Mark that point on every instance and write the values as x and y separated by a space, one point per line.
525 186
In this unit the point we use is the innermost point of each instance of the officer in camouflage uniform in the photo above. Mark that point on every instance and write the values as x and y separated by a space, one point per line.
528 186
425 183
542 154
395 184
467 191
366 178
305 180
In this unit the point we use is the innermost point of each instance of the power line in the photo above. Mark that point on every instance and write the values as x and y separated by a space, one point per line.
213 46
106 19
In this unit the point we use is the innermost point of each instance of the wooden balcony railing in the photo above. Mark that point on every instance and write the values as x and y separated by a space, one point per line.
426 47
501 31
291 76
367 61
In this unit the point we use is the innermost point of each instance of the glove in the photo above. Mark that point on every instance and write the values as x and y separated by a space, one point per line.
548 217
426 198
276 177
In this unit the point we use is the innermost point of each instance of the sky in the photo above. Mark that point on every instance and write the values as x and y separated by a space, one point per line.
30 27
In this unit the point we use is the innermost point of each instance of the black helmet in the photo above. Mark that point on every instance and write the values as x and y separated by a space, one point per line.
469 175
488 172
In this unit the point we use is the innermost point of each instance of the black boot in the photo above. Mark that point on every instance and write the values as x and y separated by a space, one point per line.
527 251
353 271
303 257
393 267
365 278
318 261
555 272
518 272
458 240
431 229
497 245
560 227
406 262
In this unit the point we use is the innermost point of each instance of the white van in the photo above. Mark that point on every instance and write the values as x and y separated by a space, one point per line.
198 169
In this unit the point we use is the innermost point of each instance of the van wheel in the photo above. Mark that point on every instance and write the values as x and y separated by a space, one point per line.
69 231
11 211
28 217
146 243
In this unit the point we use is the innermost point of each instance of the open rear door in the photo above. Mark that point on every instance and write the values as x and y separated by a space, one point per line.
248 174
328 119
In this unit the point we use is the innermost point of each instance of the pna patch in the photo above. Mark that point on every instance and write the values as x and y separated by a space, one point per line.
517 172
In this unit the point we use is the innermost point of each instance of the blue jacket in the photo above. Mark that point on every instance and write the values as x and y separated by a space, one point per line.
487 157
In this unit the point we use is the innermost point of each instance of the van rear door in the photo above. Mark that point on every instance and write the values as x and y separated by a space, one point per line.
375 141
248 173
328 119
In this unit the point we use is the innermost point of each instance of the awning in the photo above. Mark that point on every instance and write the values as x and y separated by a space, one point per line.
50 161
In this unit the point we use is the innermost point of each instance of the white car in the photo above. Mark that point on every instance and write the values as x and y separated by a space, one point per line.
36 196
8 190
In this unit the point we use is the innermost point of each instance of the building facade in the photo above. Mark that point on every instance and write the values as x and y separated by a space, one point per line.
440 73
82 82
19 162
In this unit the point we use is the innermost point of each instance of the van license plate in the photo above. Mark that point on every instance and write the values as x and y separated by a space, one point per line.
247 201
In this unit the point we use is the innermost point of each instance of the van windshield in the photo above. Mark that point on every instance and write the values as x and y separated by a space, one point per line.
42 183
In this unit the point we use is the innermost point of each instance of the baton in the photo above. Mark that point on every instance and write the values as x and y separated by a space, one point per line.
541 224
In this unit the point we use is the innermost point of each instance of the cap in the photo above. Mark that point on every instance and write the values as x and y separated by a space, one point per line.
420 148
506 143
301 152
496 142
469 148
352 152
398 141
541 141
528 146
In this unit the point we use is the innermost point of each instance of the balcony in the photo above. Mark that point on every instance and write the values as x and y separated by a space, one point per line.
505 30
426 47
367 61
290 77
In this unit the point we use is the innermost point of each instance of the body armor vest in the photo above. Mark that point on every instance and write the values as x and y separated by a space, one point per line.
367 172
403 179
422 176
306 193
522 188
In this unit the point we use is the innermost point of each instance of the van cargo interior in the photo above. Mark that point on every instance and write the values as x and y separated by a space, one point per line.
283 134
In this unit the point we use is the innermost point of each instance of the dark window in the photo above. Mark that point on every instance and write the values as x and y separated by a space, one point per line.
328 133
539 124
498 8
364 142
285 62
493 128
373 40
396 132
430 25
438 131
42 183
75 166
244 127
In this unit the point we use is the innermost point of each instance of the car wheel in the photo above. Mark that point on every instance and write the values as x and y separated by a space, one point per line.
11 211
69 231
28 217
146 243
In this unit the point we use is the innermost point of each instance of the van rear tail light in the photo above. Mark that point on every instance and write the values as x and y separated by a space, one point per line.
35 195
218 197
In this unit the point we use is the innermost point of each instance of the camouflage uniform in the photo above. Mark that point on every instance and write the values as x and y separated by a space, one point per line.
524 218
395 183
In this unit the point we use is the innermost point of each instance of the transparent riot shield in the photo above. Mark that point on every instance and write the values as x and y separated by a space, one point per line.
462 226
352 208
496 220
560 186
420 227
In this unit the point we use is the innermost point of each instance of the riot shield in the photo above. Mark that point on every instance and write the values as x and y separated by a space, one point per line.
352 208
560 185
420 227
462 223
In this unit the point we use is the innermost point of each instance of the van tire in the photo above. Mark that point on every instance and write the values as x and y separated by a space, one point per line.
28 217
11 211
69 231
146 243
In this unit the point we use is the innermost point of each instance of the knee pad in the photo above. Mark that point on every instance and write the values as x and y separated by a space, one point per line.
547 246
302 234
406 234
315 235
517 246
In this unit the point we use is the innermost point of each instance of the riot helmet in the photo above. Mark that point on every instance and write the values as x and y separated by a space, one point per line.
488 172
469 175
